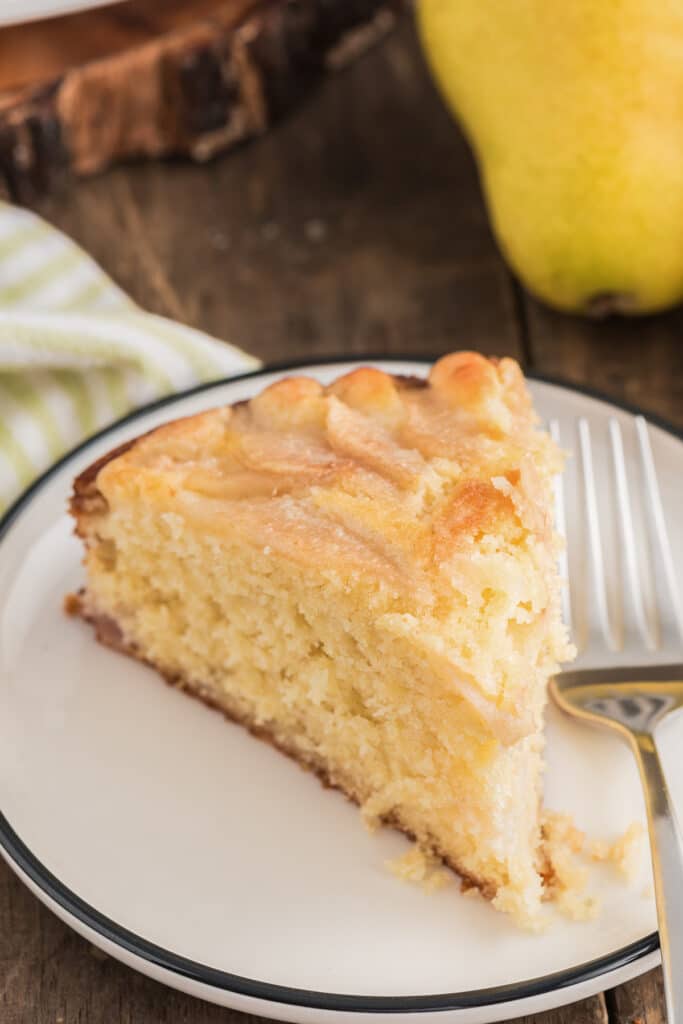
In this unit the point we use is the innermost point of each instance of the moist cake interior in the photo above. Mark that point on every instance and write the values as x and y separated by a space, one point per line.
366 575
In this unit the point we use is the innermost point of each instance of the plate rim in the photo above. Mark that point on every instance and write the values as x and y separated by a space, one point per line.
18 854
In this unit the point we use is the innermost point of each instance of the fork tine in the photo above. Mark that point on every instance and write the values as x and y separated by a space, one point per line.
634 625
597 566
561 528
669 611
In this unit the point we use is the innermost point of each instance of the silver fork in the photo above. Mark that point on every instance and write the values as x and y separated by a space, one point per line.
629 672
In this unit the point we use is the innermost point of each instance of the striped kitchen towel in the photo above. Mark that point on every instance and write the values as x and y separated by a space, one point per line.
76 352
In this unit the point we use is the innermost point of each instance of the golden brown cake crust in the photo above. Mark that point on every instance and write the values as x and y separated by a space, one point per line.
85 484
86 497
369 433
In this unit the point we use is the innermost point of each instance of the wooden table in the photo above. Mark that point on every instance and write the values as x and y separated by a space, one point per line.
357 226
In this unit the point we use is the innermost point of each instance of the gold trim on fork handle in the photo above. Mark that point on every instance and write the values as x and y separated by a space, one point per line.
635 708
667 866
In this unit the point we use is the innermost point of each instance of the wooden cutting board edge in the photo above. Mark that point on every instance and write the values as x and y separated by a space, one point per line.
192 91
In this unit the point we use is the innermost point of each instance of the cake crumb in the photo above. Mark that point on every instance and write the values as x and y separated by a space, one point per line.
625 853
418 865
72 604
437 880
578 906
410 866
562 844
566 875
568 854
599 850
560 829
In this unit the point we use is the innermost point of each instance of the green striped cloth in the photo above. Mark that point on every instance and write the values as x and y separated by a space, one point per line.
76 352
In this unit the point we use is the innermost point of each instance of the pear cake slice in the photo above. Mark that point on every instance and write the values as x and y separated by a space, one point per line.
364 574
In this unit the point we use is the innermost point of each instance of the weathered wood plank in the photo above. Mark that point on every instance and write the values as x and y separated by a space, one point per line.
152 77
638 360
356 226
640 1001
588 1011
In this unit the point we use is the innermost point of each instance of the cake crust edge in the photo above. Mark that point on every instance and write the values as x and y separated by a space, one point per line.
85 488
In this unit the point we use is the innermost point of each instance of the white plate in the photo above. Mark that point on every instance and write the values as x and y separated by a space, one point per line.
15 12
187 849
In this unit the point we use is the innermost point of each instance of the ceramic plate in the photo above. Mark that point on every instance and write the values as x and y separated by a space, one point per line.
200 856
14 12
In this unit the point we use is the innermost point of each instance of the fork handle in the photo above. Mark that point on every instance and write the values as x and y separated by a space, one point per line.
667 864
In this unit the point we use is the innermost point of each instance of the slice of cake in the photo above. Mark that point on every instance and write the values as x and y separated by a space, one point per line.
365 574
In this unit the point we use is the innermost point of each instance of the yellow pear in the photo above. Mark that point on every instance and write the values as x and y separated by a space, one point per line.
575 111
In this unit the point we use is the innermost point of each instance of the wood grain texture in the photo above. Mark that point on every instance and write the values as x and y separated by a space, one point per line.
640 1001
637 360
37 52
588 1011
333 234
356 226
184 85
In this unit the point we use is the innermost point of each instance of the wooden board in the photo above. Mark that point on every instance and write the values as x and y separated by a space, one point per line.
357 226
149 78
640 1001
